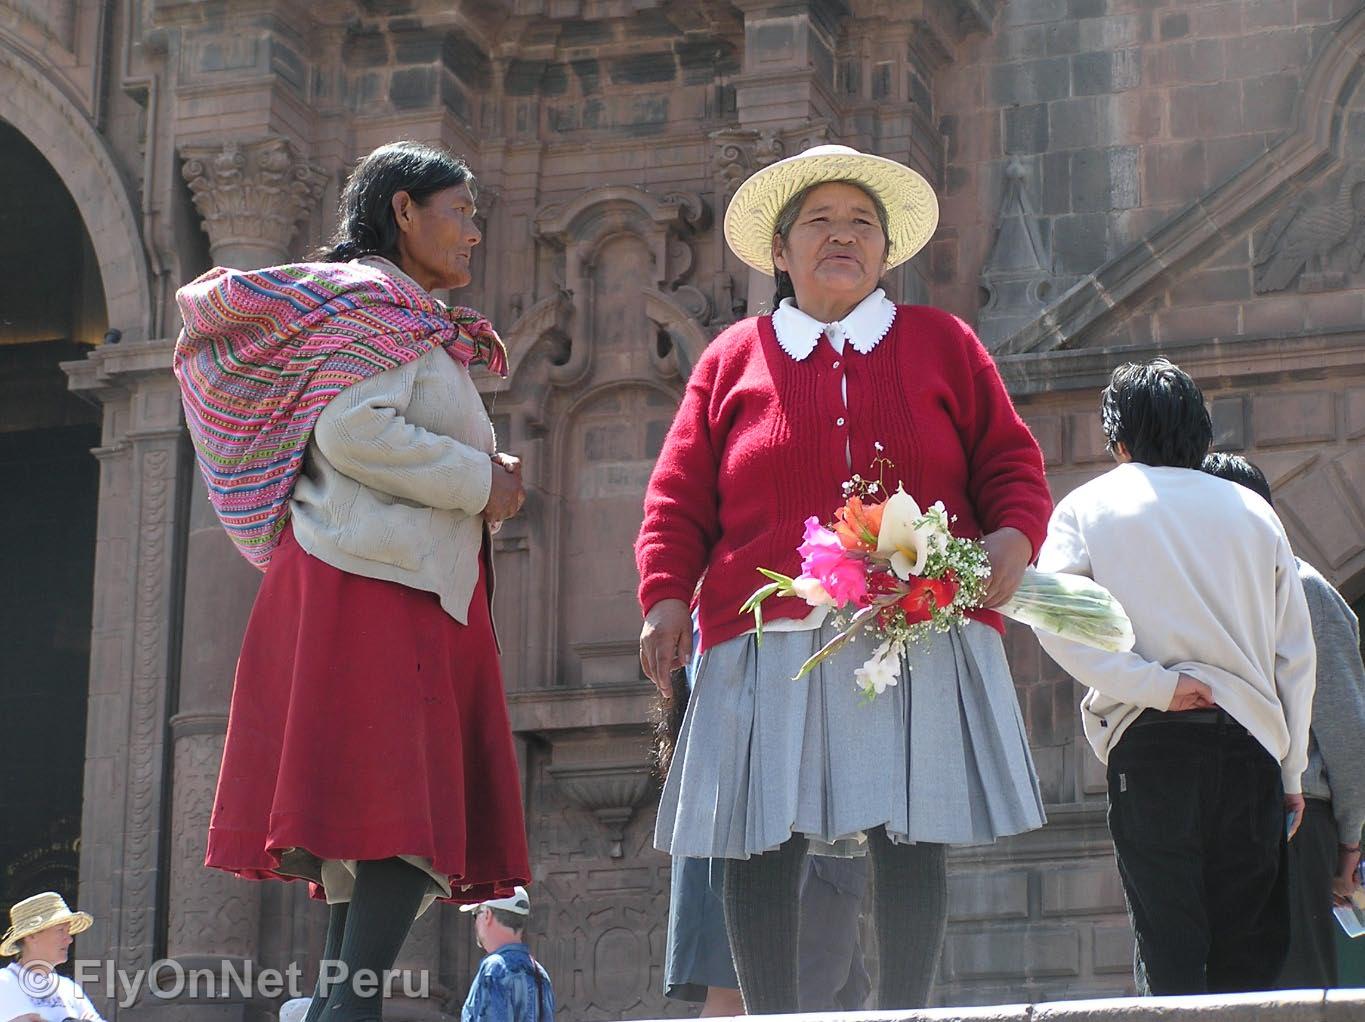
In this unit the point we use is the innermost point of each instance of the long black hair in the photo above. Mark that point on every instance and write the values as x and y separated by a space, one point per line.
365 222
1157 412
786 220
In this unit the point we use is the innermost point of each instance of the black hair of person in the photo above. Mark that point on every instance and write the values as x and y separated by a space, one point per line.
791 210
365 221
1157 412
1236 469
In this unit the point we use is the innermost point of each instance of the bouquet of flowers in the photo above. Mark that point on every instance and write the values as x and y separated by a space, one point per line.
897 572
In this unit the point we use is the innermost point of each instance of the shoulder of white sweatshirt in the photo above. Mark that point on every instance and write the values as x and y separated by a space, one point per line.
1206 574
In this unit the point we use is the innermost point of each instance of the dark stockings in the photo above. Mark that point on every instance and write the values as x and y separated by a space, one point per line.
910 906
375 924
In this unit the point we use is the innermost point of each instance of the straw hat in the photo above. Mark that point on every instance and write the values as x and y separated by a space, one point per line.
911 207
40 912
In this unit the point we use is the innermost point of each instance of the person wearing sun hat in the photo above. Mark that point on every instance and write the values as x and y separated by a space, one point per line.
510 985
40 932
780 411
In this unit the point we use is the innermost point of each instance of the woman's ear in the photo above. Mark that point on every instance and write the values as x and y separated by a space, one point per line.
402 206
779 259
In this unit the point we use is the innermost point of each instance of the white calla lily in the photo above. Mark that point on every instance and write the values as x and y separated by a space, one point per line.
901 540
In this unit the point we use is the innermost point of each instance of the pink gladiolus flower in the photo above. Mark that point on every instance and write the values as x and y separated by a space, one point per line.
824 558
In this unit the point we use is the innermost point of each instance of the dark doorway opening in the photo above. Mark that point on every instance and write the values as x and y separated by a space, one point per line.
51 309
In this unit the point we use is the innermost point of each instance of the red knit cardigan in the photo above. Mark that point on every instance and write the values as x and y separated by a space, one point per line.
758 445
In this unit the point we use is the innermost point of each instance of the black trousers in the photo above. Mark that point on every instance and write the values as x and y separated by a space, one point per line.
1312 960
1196 811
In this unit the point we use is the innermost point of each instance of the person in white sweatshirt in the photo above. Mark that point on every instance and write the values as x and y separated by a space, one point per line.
1203 725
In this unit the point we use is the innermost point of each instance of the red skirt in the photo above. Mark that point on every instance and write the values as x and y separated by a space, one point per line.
367 723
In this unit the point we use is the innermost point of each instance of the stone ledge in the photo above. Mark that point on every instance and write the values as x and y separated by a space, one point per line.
1270 1006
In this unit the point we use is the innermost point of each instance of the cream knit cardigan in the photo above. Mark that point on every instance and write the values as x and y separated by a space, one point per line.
395 479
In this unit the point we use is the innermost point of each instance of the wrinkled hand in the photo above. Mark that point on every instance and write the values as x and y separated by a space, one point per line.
1294 804
665 643
1346 882
506 494
1009 551
1191 695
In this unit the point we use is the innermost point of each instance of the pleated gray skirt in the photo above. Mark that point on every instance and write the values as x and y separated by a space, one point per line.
941 757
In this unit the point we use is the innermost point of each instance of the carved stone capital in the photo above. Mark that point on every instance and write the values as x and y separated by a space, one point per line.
741 152
252 196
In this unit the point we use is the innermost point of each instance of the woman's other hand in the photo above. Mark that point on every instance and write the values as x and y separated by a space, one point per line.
506 494
1009 551
665 643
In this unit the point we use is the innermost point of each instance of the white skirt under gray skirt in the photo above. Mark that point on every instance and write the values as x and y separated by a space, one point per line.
941 757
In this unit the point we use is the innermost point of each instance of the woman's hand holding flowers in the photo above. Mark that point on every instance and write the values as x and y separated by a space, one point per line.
1009 551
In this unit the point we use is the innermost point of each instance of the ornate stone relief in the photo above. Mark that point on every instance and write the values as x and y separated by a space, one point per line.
610 791
252 195
1318 241
585 228
1017 281
742 151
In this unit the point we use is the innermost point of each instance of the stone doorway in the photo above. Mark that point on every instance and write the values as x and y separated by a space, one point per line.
52 310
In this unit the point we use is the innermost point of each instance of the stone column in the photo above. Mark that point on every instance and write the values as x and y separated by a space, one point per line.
143 463
252 196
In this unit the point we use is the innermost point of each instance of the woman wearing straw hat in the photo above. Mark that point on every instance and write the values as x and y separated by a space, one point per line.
779 411
40 932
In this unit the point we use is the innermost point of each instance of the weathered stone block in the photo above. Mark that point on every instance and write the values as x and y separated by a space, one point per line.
643 68
412 88
1057 183
588 73
1175 26
1088 8
1295 417
1261 14
1268 102
1087 889
988 895
1229 424
1077 123
1113 950
1030 81
1024 12
1080 242
1087 438
1059 39
1266 53
1174 171
1012 951
1026 129
1047 430
1104 179
1202 111
364 47
1103 73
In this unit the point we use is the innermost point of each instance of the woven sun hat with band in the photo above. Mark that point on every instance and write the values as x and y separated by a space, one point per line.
40 912
518 902
911 207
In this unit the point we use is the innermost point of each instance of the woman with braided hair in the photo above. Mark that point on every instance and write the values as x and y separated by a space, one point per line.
348 454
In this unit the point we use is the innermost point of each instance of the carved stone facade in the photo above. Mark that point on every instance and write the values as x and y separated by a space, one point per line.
1117 178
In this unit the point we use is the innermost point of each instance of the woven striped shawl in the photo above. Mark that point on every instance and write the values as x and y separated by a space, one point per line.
263 351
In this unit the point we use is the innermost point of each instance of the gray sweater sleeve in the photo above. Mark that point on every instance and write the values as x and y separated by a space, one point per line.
1339 703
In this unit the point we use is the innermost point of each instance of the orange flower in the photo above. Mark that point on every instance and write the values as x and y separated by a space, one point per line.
857 524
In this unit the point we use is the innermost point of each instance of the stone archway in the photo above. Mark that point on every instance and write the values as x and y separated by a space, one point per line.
59 130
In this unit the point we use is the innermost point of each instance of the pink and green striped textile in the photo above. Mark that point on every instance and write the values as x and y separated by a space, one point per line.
263 351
